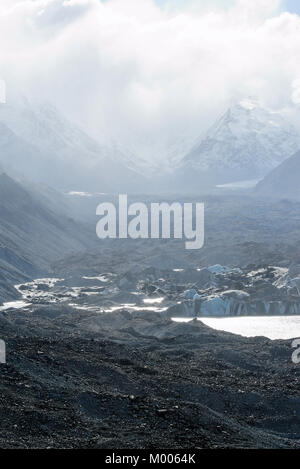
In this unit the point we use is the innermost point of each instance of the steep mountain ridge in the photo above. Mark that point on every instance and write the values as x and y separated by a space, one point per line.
32 236
39 143
283 181
245 143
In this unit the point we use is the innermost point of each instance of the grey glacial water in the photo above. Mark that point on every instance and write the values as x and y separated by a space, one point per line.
273 327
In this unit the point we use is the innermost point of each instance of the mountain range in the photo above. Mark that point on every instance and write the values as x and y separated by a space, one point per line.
246 143
41 145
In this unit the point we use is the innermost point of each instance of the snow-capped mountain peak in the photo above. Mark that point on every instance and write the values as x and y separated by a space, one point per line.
249 103
246 142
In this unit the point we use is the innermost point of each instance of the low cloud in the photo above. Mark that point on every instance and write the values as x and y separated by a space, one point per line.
135 72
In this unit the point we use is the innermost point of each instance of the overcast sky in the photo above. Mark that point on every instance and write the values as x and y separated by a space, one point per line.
148 70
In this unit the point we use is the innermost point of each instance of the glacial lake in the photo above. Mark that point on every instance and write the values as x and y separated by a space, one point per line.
273 327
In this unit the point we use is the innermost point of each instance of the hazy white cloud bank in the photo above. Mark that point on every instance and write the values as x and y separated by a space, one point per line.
130 69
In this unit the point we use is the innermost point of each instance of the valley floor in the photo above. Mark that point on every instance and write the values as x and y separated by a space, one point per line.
78 379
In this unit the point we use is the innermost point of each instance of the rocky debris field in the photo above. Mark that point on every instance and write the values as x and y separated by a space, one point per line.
80 379
254 290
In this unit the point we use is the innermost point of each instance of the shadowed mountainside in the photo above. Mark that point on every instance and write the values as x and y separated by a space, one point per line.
283 181
31 236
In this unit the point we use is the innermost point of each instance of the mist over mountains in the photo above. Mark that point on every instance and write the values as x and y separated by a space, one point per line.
42 149
39 144
246 143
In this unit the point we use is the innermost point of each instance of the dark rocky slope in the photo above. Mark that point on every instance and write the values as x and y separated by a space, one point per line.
31 236
136 381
